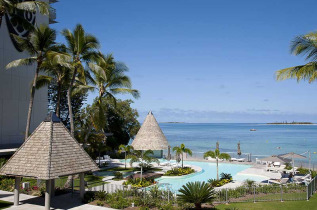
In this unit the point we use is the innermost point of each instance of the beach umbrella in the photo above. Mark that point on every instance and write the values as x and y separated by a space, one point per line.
239 150
275 158
293 156
217 145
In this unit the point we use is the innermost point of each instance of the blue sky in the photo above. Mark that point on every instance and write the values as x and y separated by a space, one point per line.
204 60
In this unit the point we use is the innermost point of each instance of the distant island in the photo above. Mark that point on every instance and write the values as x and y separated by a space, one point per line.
291 123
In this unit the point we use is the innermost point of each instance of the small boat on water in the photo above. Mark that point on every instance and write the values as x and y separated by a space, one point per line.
252 129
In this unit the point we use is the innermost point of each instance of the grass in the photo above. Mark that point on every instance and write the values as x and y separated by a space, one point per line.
129 169
5 204
287 205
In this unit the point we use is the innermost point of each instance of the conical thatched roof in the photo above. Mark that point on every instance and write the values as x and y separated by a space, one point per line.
48 153
150 136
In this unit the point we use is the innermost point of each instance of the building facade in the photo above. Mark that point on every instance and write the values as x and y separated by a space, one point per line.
15 84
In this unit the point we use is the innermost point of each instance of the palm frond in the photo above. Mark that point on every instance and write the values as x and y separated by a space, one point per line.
21 62
32 6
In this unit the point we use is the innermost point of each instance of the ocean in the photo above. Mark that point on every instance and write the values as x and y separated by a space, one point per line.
266 140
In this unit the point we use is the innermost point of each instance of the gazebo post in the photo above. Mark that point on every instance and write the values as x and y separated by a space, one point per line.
17 190
48 194
82 185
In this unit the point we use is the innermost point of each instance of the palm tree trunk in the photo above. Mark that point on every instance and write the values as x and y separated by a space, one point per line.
182 160
58 102
125 160
28 122
69 101
217 169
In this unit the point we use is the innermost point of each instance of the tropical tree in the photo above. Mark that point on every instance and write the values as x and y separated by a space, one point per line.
40 45
56 74
217 155
181 150
144 158
196 193
12 6
82 47
108 79
305 45
126 149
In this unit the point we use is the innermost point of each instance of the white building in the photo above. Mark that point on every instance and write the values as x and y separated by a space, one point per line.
15 84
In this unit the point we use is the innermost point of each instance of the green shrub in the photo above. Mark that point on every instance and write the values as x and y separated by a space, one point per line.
288 166
118 175
101 195
88 197
179 171
219 183
225 176
100 203
196 193
138 183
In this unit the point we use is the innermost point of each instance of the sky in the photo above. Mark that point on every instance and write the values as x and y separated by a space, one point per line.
203 60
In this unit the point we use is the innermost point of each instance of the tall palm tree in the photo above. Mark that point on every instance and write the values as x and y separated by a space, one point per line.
109 77
56 73
305 45
126 149
81 46
143 158
11 6
217 155
181 150
39 44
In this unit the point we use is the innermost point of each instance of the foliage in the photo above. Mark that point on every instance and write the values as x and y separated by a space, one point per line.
144 158
100 203
181 150
118 175
305 45
89 196
101 195
217 155
197 193
7 184
219 183
225 176
137 182
179 171
77 102
249 183
288 166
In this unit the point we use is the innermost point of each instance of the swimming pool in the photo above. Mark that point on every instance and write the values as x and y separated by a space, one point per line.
209 171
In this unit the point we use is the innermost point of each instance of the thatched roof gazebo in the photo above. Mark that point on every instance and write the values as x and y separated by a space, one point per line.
48 153
150 136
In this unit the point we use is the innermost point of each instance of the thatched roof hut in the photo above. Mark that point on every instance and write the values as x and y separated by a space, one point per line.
48 153
150 136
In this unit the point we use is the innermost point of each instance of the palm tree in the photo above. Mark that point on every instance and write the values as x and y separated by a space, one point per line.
302 45
197 193
126 149
81 46
143 158
109 77
217 155
40 45
55 74
11 6
181 150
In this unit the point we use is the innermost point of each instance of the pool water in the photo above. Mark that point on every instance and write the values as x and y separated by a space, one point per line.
209 171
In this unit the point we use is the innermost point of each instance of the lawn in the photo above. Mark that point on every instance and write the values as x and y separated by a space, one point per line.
287 205
5 204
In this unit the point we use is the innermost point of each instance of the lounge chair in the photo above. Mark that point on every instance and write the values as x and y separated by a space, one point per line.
277 164
234 159
241 159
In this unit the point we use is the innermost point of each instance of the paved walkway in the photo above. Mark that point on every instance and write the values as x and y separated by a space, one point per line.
67 201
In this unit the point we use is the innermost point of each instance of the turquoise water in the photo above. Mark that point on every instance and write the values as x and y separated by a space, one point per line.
209 171
267 140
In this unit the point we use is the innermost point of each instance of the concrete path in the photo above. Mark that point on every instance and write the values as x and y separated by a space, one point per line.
66 201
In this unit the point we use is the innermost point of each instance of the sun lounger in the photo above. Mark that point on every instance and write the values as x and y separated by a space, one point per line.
241 159
277 164
234 159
